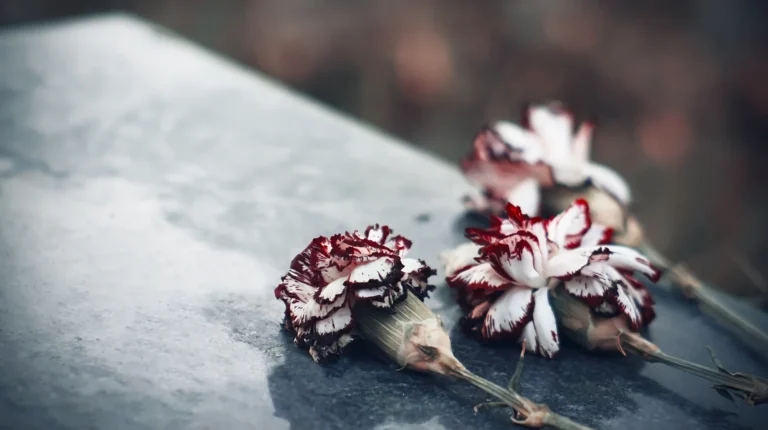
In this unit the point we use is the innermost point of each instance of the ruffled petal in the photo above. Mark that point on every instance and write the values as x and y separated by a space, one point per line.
588 289
554 125
582 261
459 258
617 296
526 195
597 235
332 291
568 227
399 244
481 276
336 323
622 257
582 141
302 313
517 257
547 343
520 143
508 315
392 295
378 234
295 285
416 275
609 181
382 271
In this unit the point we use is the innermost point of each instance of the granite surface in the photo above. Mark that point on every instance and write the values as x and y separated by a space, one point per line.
152 194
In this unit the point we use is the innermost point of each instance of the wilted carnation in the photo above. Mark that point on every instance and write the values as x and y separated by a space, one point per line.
503 280
510 163
332 275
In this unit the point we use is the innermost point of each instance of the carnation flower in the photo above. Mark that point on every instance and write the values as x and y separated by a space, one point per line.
511 163
503 281
543 166
333 274
364 282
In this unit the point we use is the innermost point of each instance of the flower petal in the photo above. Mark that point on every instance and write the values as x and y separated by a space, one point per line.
459 258
622 257
332 291
547 343
582 261
554 125
310 311
617 296
399 244
588 289
521 143
609 181
377 233
568 227
526 195
295 285
580 146
382 271
481 276
597 235
336 323
508 314
517 257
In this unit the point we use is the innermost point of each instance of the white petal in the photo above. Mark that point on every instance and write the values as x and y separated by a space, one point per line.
526 195
619 298
597 235
554 127
376 270
459 257
531 342
371 293
518 257
509 312
377 233
587 288
545 324
298 288
303 312
581 143
332 291
566 263
609 181
622 257
526 147
481 276
573 221
411 265
336 322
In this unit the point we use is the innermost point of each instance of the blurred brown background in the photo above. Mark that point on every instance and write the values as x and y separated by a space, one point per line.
679 88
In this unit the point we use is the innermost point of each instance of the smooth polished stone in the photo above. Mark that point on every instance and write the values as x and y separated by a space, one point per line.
151 196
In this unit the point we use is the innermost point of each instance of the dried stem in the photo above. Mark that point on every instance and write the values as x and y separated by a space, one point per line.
414 337
693 288
752 389
595 332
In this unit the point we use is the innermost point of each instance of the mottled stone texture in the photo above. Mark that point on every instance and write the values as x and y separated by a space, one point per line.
152 194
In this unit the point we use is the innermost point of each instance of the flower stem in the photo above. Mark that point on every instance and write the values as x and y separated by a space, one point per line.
693 288
534 414
753 389
413 336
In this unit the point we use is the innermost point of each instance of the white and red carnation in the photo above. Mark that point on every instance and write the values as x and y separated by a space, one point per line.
511 163
504 277
333 274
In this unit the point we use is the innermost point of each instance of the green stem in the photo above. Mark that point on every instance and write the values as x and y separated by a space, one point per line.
536 415
696 290
752 388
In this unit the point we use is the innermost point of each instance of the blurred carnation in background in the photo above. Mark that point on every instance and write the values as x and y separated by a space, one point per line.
678 88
